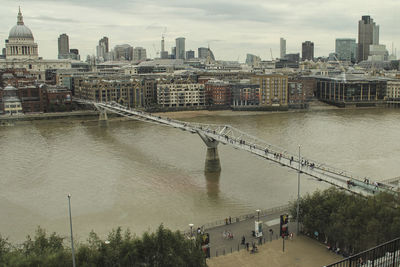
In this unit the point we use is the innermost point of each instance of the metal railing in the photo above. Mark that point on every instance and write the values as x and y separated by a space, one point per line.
384 255
247 216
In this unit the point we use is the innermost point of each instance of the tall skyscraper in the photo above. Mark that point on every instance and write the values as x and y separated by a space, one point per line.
104 42
346 49
180 48
368 34
63 46
307 51
283 48
102 49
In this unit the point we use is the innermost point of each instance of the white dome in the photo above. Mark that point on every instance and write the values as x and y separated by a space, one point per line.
20 31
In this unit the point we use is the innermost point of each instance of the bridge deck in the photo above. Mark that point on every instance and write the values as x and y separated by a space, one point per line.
229 135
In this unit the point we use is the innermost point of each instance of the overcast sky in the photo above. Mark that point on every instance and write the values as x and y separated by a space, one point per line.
232 28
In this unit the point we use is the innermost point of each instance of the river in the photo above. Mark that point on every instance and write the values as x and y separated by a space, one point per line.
137 175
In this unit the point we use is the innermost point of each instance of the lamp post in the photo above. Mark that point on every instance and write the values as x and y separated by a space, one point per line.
191 230
70 224
258 215
298 195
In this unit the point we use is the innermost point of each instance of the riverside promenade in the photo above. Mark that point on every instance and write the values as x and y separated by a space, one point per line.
299 251
221 244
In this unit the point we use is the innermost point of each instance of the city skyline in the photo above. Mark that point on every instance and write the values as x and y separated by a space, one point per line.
232 29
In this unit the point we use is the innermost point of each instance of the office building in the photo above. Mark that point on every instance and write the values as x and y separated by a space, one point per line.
102 50
139 54
63 46
189 54
368 34
346 49
204 52
180 95
307 51
282 48
180 48
252 60
123 52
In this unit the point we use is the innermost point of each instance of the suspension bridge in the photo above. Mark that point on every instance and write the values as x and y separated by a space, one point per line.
213 134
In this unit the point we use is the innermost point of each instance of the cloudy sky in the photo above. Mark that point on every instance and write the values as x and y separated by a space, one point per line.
232 28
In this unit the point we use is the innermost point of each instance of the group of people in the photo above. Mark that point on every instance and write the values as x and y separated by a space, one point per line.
227 234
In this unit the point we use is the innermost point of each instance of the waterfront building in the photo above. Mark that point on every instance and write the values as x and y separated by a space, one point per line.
346 49
368 34
282 48
245 94
139 54
217 93
121 89
307 50
180 48
273 90
353 91
10 101
175 95
296 94
393 90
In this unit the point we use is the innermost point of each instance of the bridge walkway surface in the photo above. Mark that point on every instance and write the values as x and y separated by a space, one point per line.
228 135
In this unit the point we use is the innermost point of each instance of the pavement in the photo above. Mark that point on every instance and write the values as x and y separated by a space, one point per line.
302 251
220 245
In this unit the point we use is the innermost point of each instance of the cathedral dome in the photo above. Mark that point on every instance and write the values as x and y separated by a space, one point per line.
20 30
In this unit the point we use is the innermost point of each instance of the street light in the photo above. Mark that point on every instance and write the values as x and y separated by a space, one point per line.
70 224
298 195
258 215
191 229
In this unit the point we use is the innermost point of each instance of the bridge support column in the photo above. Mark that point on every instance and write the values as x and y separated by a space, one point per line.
212 163
103 119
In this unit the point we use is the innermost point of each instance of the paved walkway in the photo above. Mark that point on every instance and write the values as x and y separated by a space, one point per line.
220 245
301 251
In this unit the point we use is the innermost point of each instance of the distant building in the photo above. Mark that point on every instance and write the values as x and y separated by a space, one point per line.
393 90
245 94
273 90
123 52
346 49
252 60
204 52
139 54
102 49
368 34
307 51
63 46
173 53
293 57
282 48
378 53
74 54
189 54
180 48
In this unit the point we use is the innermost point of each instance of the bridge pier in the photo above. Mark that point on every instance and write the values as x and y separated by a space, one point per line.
103 119
212 163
